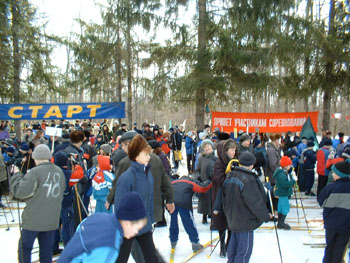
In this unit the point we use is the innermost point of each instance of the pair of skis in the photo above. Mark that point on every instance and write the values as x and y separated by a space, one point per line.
172 252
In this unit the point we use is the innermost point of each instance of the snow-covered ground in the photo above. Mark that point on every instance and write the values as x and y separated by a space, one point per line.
295 244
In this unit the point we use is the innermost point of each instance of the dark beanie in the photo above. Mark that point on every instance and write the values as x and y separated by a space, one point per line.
244 137
328 142
154 144
131 207
247 159
61 159
342 169
310 144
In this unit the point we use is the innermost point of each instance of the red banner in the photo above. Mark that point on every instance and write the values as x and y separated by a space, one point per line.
262 122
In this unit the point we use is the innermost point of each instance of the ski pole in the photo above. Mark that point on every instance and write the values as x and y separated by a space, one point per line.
8 226
296 202
271 204
211 241
82 204
302 207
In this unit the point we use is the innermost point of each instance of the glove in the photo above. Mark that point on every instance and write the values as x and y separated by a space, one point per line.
331 155
268 186
295 178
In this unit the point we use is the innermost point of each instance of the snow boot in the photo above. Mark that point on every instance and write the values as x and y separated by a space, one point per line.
281 224
222 250
204 220
196 247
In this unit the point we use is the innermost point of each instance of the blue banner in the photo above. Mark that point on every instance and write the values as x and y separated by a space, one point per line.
104 110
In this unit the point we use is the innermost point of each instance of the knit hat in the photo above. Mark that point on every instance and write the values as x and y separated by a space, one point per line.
222 136
128 136
244 137
106 148
61 159
216 130
341 134
206 142
65 137
346 153
25 147
11 149
310 144
104 162
285 161
41 152
292 152
328 142
154 144
131 207
201 135
247 159
342 169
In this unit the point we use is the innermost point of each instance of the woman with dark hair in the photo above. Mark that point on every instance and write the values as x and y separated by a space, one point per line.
226 151
138 178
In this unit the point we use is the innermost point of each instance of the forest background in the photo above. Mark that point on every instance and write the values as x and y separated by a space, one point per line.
177 59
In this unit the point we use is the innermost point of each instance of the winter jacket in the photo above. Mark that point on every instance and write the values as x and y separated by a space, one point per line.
101 185
42 189
148 134
162 184
185 187
189 143
61 147
68 193
97 239
273 156
322 157
117 156
244 201
284 183
176 141
205 169
300 148
309 160
165 162
88 153
219 176
3 171
137 178
335 200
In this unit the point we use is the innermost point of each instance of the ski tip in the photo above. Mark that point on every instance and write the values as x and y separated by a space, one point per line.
208 256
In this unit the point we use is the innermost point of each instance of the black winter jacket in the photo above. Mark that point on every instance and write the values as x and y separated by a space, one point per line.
244 201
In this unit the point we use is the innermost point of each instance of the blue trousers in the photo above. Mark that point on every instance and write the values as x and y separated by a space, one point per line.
283 205
26 243
309 179
188 223
336 244
100 206
240 247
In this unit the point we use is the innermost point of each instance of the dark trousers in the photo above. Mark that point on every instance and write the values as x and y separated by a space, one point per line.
147 246
190 163
188 223
309 179
322 182
301 177
26 242
336 243
67 226
240 247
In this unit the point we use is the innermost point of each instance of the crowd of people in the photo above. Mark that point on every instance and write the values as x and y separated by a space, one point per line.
58 177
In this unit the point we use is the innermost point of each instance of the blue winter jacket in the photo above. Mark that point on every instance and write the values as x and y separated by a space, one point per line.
137 178
189 143
97 239
310 160
335 200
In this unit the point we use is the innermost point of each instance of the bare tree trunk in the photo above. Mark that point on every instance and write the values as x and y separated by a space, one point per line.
129 69
118 64
16 61
327 87
202 64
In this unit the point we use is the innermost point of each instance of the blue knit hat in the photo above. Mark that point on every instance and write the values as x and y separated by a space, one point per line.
25 147
342 169
61 159
131 207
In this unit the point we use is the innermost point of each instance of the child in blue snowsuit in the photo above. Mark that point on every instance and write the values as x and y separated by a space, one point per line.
102 182
184 188
99 237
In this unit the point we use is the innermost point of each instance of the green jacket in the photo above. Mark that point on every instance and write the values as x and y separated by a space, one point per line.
42 189
284 183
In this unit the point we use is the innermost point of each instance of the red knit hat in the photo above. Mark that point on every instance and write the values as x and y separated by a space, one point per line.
285 161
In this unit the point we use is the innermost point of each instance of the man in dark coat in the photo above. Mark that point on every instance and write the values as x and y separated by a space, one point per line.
247 212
